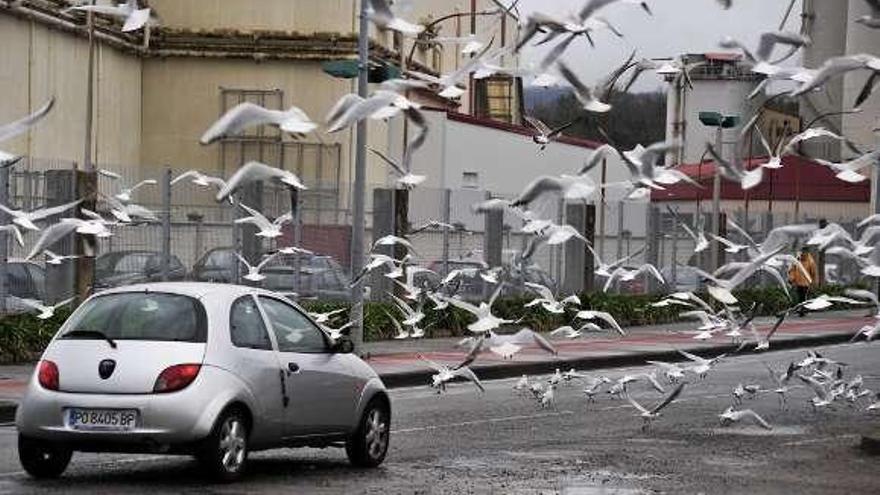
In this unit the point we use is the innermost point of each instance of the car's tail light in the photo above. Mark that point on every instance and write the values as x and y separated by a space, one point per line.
48 375
176 377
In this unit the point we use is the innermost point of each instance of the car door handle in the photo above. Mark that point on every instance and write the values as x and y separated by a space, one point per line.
293 367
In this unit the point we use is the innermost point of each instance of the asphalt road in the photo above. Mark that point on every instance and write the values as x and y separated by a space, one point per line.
498 442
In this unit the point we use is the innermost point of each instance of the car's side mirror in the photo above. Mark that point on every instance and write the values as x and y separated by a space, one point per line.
343 345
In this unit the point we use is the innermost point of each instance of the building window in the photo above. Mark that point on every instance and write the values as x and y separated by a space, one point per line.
470 180
495 98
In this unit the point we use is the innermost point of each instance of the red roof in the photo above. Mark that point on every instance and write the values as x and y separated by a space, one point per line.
799 177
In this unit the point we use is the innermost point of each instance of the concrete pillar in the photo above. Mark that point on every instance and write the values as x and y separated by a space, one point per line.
493 238
251 245
383 224
60 279
574 252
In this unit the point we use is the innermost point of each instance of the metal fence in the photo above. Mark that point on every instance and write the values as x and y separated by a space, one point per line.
199 236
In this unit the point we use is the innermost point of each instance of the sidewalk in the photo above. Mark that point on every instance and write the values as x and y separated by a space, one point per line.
398 364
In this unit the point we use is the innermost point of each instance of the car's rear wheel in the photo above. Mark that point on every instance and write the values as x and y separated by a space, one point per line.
224 453
369 444
42 459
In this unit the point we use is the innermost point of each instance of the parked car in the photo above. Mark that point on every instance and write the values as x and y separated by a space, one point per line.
686 278
319 276
24 280
215 371
120 268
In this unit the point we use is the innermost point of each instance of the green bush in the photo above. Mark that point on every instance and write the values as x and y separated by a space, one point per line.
23 337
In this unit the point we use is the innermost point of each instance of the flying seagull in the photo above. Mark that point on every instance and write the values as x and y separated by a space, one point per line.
256 171
292 121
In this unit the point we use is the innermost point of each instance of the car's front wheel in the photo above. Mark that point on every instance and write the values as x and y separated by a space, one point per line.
224 453
369 443
42 459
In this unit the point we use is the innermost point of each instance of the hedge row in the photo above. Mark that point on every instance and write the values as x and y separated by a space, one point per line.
23 337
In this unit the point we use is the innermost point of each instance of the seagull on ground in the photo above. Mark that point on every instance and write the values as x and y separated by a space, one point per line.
701 366
445 374
649 415
730 416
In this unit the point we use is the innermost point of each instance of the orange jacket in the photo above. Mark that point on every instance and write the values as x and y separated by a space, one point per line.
798 278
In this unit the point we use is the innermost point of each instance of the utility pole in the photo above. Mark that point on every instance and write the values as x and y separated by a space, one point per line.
87 181
719 122
358 224
716 200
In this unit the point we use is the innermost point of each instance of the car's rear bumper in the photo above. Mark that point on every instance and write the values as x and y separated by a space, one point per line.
165 421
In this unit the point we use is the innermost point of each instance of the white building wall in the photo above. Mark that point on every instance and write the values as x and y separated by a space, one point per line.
726 96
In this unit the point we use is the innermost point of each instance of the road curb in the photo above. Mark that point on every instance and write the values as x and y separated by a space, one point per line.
7 411
494 372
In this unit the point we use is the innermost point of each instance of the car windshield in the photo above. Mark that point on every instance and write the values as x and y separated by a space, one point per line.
141 316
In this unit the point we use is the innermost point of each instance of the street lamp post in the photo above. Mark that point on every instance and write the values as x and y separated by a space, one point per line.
719 122
358 223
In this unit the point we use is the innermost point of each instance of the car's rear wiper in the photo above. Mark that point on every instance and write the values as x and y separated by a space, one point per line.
91 333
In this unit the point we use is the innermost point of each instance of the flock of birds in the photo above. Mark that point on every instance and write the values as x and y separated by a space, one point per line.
719 317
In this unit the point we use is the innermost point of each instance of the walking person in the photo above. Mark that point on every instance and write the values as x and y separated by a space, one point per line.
801 281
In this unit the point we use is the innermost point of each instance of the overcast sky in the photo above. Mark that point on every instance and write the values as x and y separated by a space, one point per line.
677 26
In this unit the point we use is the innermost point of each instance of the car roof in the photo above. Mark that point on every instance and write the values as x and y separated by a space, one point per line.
192 289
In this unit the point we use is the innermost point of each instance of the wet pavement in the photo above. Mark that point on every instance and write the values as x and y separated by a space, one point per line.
499 442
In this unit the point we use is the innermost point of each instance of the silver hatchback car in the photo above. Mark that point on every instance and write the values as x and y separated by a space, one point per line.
210 370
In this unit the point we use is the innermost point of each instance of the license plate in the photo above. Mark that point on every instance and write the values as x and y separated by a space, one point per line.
102 419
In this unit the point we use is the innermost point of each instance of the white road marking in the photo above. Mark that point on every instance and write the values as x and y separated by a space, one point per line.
483 421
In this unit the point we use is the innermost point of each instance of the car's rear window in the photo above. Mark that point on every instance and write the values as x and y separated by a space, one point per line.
141 316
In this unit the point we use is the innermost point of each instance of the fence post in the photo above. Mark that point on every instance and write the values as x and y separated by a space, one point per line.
589 259
166 223
674 268
653 239
447 214
575 254
296 237
4 245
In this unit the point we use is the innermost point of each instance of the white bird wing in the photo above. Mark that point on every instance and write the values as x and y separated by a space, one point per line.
669 399
538 125
693 357
63 303
244 261
136 20
186 175
255 218
9 131
432 364
758 419
466 306
53 234
636 405
542 290
238 118
391 163
266 260
247 173
468 374
48 212
527 337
